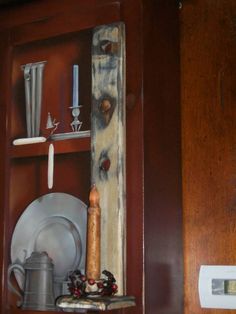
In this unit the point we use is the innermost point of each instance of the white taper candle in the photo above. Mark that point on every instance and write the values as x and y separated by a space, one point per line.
75 85
50 165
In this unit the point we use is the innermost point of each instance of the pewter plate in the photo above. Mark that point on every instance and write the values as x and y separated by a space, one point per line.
55 223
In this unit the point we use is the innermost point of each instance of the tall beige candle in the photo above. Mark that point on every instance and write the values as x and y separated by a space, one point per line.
93 236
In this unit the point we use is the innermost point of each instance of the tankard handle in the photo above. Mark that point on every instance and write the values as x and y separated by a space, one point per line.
10 285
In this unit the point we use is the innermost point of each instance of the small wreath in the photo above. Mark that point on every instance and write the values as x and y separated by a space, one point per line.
81 286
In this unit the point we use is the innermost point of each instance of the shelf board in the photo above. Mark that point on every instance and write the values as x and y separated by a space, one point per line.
60 147
71 304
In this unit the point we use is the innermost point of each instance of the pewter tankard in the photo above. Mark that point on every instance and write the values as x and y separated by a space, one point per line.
38 291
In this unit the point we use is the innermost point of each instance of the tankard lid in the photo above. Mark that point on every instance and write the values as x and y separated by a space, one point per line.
38 260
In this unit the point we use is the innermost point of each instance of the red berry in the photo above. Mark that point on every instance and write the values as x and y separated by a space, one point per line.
77 292
100 285
91 281
83 278
114 287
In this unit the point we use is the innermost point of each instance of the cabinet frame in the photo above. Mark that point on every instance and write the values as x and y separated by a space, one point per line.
151 112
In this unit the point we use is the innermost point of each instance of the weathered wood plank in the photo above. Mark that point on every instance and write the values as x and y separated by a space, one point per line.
108 143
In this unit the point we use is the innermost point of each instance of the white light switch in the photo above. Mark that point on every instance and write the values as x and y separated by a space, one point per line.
217 287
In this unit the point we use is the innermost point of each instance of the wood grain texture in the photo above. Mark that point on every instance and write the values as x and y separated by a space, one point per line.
51 26
162 159
208 49
25 12
132 15
108 143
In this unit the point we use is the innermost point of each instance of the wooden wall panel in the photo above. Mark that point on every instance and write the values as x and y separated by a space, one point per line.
4 163
131 15
162 159
208 50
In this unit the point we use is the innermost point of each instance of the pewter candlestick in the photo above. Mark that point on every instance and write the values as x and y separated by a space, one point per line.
76 124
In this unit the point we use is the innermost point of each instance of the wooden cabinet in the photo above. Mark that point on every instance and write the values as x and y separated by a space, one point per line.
61 31
208 136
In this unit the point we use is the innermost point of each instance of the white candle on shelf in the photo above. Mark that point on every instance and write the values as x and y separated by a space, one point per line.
50 165
75 102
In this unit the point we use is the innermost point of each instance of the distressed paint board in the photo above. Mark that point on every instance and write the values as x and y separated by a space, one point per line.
108 144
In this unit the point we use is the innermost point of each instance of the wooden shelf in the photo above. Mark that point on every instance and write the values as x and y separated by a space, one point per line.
71 304
60 147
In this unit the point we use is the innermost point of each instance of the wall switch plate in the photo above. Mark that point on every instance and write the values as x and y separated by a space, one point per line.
217 287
